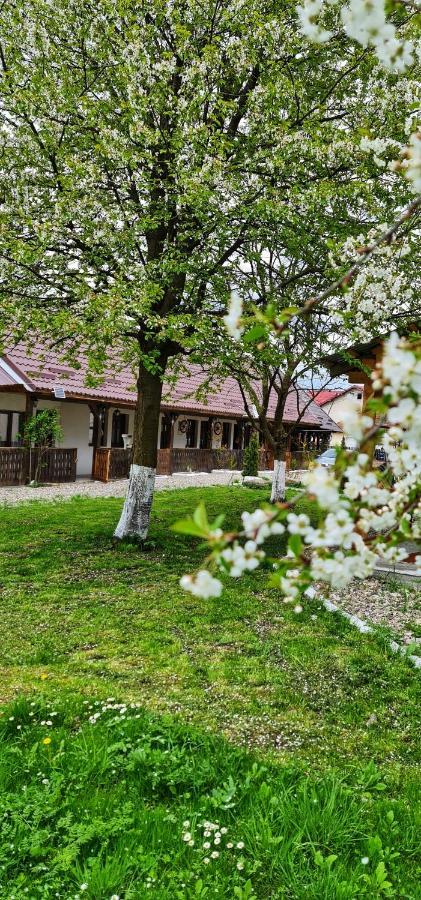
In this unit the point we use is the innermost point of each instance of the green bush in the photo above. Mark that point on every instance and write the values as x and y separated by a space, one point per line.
251 457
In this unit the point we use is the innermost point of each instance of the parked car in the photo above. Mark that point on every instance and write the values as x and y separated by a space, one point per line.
380 457
327 458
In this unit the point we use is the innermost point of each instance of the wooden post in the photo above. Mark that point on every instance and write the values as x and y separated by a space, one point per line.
209 442
173 418
288 453
30 403
98 436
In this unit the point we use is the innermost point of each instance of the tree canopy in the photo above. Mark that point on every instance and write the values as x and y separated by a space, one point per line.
143 146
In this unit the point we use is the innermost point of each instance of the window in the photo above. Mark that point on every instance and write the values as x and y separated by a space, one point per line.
359 396
191 433
238 436
5 429
226 435
11 428
205 434
164 441
119 427
97 439
247 434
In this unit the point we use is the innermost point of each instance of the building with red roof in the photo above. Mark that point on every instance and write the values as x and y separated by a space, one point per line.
334 402
101 414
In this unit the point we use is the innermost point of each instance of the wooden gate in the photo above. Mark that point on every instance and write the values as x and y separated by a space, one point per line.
110 463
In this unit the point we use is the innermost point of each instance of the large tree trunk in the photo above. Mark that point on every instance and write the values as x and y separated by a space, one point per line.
134 519
279 477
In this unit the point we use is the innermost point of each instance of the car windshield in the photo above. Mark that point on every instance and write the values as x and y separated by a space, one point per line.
328 454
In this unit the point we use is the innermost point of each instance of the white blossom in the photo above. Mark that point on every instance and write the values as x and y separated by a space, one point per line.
322 484
203 585
298 524
241 559
308 15
232 320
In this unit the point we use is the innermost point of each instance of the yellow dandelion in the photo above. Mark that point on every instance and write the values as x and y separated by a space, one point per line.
43 676
46 741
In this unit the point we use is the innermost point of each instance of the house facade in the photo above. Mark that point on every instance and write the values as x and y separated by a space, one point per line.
334 403
100 417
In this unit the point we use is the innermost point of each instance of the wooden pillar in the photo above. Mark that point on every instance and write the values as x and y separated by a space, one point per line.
9 429
209 441
288 452
30 404
173 419
106 424
97 434
31 401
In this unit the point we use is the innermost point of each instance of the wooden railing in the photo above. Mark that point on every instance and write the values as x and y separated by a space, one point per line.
13 465
110 463
58 464
195 460
18 465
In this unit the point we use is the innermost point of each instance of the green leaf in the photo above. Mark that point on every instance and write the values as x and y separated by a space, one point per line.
200 516
254 334
295 544
188 526
381 873
217 522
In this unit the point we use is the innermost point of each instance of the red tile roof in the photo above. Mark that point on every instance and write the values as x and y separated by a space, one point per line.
6 380
325 396
43 371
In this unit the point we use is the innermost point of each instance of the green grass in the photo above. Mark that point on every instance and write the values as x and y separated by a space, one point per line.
251 716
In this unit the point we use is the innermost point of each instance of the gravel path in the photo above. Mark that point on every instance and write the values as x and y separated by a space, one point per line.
88 488
398 608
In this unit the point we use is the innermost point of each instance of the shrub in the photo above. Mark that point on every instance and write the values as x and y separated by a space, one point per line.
251 457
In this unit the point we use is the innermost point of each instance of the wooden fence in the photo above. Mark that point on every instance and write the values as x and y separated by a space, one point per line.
112 462
14 465
18 465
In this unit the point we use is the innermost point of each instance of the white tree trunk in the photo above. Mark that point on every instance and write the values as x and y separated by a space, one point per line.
278 483
134 519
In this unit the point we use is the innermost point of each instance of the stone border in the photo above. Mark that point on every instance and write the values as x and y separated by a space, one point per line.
365 628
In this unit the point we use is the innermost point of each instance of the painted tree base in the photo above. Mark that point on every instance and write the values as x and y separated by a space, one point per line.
279 480
136 513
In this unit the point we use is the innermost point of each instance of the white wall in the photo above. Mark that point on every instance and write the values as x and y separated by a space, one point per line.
74 419
12 401
180 439
335 410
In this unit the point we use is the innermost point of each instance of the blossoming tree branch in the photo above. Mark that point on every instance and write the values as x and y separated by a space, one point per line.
361 514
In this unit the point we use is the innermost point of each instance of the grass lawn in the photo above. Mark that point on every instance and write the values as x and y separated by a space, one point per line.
249 716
